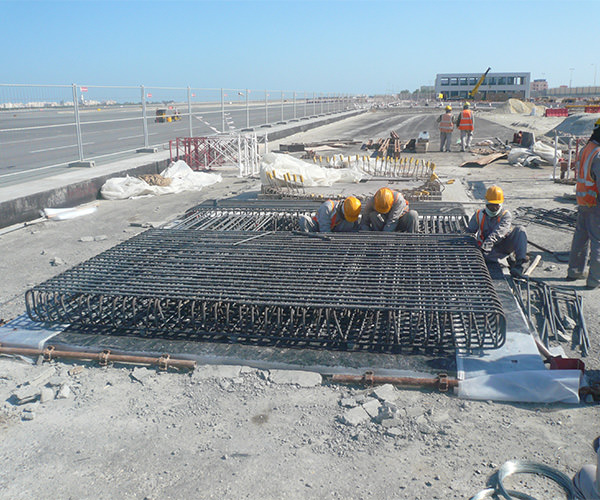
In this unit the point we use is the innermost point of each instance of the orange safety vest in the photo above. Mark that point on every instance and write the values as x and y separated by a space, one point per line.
481 219
466 120
333 219
446 124
586 188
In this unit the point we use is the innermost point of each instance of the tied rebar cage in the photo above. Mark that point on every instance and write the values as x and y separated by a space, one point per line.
286 219
381 293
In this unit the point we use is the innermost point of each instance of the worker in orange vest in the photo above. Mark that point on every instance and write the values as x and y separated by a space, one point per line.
587 228
388 211
446 127
466 125
495 234
333 217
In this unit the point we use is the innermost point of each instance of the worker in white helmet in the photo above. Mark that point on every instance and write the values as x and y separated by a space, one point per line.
587 228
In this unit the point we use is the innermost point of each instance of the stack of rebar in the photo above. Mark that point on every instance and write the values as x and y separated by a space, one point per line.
556 218
384 293
553 312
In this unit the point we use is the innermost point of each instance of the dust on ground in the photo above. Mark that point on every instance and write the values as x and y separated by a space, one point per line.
127 432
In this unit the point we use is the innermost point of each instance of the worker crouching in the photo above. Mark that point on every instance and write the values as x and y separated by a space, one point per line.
495 234
388 211
333 217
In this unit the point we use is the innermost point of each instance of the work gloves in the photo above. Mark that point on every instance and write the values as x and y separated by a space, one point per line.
486 247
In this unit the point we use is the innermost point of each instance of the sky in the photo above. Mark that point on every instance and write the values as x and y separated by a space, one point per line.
356 47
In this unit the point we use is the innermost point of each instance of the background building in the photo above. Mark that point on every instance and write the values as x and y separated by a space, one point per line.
539 85
495 87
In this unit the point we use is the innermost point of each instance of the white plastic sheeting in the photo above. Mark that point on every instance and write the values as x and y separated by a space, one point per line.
183 178
67 213
312 174
536 386
540 152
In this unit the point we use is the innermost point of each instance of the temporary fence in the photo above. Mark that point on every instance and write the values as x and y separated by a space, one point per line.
79 125
375 292
557 112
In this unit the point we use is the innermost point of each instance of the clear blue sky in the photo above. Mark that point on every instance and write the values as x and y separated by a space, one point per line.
329 46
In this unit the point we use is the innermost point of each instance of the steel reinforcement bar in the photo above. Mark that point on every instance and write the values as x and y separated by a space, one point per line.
276 219
366 291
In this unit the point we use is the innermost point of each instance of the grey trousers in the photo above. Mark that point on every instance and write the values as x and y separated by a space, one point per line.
466 136
445 141
408 223
515 241
587 236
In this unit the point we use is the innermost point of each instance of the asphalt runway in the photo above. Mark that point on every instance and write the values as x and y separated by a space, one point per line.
31 140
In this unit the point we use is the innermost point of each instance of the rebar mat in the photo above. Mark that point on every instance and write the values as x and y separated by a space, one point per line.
381 293
272 219
564 219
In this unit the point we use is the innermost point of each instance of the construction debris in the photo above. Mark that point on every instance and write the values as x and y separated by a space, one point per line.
484 160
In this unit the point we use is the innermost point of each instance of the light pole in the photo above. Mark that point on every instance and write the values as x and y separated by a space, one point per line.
595 68
571 78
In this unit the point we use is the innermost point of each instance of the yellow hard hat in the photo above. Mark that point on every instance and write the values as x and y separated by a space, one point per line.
384 199
351 208
448 108
597 123
495 195
466 104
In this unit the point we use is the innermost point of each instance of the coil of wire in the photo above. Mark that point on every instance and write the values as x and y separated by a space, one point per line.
525 467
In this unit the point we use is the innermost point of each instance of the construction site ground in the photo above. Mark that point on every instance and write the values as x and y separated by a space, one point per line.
241 432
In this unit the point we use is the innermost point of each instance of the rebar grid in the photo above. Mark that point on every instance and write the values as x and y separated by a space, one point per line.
272 219
384 293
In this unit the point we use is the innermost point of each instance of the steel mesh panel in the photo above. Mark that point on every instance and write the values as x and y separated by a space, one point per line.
384 293
278 219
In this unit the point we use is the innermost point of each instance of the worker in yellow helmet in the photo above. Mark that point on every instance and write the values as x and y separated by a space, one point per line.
388 210
495 234
446 125
587 228
466 125
333 217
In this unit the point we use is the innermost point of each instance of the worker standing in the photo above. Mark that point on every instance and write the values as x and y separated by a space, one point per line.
333 217
466 125
587 228
388 211
495 234
446 127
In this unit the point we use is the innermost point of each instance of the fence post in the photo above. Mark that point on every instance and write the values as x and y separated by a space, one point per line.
190 110
282 94
77 123
314 105
222 112
321 102
266 108
144 116
247 110
294 104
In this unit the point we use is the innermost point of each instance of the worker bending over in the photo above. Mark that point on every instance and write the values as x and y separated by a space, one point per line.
587 228
466 125
446 127
495 234
388 211
333 217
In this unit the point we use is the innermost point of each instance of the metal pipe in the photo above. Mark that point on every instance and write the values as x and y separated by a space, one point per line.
144 116
103 357
222 111
441 382
77 123
189 96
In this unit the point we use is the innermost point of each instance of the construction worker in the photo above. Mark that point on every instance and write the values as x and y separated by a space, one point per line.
446 127
388 211
587 228
495 234
466 125
333 217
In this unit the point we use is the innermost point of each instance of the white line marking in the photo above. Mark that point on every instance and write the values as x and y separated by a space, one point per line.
59 147
135 136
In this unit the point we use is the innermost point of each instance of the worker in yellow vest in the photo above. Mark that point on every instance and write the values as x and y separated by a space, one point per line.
466 125
495 234
446 122
587 228
333 217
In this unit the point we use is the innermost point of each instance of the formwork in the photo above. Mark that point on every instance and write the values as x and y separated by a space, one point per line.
386 293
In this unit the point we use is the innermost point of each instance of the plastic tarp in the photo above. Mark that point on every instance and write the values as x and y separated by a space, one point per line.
313 175
183 178
539 153
535 386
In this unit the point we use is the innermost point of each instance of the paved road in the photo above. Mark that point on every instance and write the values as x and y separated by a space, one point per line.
30 140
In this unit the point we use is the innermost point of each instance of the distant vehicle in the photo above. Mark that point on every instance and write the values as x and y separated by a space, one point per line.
161 116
